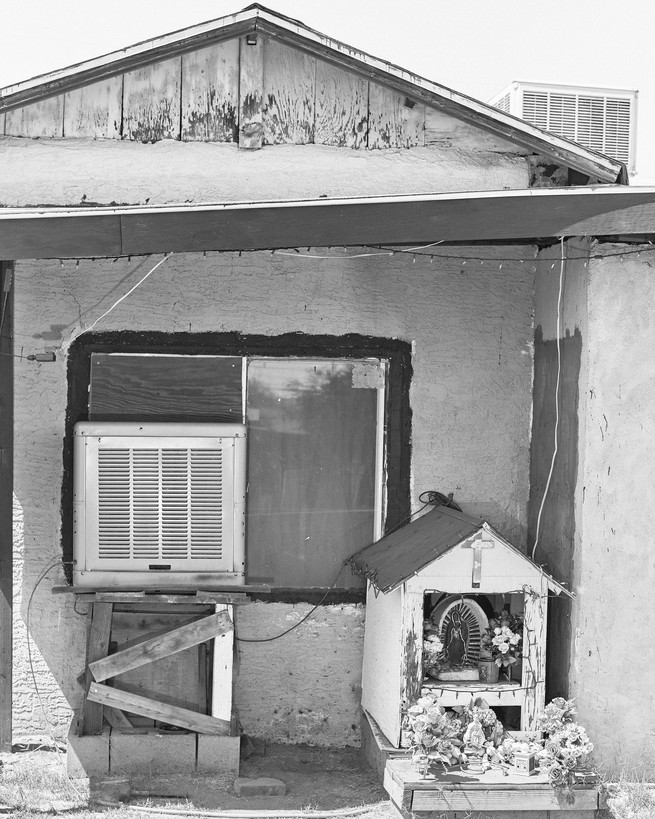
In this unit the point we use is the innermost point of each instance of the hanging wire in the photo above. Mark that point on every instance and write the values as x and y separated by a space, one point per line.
557 386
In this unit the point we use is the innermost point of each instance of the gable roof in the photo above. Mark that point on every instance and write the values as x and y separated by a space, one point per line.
256 18
401 554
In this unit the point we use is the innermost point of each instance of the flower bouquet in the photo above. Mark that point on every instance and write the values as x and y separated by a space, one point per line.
502 642
565 746
434 735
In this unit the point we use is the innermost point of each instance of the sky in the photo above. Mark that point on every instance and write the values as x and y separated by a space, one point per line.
475 47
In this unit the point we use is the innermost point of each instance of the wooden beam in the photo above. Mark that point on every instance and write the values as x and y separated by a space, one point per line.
156 648
170 714
464 217
116 718
99 629
6 497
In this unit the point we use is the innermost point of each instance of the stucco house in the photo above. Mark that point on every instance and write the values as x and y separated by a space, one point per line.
395 287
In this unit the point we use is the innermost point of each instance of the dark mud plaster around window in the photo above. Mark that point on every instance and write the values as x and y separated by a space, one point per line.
398 412
557 527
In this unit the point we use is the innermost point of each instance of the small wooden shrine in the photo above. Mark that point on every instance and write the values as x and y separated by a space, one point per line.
450 574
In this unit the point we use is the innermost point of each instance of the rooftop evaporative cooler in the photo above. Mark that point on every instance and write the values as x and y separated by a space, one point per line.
159 505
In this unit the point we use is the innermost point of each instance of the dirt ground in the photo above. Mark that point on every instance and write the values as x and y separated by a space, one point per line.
33 781
316 779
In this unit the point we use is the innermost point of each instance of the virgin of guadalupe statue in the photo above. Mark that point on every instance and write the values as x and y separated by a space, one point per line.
456 639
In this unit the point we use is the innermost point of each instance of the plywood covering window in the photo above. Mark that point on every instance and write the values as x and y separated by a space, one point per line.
315 446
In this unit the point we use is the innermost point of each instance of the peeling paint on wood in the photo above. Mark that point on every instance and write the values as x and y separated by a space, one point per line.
251 89
210 93
289 88
411 669
40 120
393 124
534 670
94 110
341 116
151 102
445 131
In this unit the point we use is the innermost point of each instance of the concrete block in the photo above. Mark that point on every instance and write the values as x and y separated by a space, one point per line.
152 753
87 756
216 754
260 786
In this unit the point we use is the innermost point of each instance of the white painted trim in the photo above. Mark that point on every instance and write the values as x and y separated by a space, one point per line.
531 193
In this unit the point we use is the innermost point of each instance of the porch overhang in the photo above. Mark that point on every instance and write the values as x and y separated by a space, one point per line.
490 217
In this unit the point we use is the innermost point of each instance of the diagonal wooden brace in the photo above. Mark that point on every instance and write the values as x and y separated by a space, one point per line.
161 646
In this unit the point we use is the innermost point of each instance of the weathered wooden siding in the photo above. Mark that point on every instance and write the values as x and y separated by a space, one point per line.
252 90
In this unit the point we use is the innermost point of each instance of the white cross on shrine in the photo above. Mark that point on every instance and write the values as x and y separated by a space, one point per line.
482 540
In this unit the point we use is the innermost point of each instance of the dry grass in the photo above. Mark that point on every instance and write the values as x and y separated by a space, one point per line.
630 798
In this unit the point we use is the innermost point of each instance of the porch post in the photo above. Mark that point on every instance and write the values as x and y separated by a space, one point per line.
6 497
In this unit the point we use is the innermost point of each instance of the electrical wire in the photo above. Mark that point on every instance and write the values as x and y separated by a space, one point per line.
60 755
64 347
557 386
301 621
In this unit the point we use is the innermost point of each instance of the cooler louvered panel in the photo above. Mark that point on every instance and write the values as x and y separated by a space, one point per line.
591 122
160 504
535 108
617 128
561 115
205 497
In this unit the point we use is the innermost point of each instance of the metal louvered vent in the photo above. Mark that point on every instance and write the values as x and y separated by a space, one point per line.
158 504
601 123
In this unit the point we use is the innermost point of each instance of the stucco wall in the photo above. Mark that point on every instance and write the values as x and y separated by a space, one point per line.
608 304
470 323
57 172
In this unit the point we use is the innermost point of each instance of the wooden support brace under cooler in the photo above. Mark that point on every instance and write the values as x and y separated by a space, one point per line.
105 701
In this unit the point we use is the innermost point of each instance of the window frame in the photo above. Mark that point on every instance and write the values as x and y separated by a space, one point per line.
397 423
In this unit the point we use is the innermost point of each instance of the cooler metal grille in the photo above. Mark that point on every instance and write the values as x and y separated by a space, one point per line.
160 504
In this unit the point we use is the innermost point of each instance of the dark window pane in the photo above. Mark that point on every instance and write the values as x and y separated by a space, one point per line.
312 427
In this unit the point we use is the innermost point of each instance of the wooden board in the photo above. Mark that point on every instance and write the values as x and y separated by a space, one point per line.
210 93
341 116
222 670
37 121
95 111
6 499
443 130
162 646
392 122
162 712
165 388
455 789
251 90
99 630
534 666
289 90
151 102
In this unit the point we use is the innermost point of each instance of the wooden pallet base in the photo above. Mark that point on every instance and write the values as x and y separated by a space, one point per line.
459 792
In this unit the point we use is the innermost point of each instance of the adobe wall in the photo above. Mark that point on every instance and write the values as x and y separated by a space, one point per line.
470 324
601 531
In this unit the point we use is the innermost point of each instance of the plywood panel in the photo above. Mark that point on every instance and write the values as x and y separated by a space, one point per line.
341 107
165 388
251 90
95 110
392 122
534 653
289 87
151 102
210 93
445 131
39 120
6 495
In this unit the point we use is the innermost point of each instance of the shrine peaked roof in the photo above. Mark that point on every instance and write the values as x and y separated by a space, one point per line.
257 18
401 554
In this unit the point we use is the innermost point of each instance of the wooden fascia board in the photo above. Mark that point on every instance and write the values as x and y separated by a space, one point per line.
118 62
464 217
